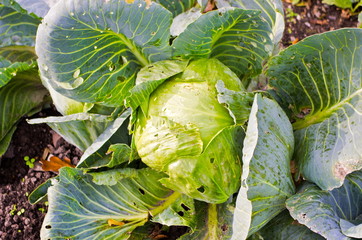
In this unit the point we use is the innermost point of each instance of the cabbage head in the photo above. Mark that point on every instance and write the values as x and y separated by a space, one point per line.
187 133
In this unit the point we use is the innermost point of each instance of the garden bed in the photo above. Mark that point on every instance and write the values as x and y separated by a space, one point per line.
21 220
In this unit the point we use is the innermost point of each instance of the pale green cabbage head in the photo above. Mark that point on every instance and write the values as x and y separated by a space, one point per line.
186 133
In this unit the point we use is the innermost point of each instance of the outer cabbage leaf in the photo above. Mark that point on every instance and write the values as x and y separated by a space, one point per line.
319 82
271 10
38 7
350 229
237 102
177 7
101 153
20 96
266 177
328 212
9 70
181 21
80 209
238 38
107 43
284 227
214 222
80 129
5 141
16 26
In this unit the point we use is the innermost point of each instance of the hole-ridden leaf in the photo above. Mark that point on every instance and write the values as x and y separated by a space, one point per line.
271 10
214 222
284 227
328 212
211 182
105 41
319 82
80 209
238 38
177 7
186 214
266 178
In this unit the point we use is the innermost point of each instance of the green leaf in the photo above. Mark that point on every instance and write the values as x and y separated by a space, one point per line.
9 70
238 38
16 28
80 129
213 175
40 193
116 132
322 211
113 176
318 81
283 227
18 53
162 141
180 213
340 3
177 7
5 141
202 3
271 10
181 21
150 77
80 209
107 43
237 102
214 222
266 177
38 7
350 229
20 96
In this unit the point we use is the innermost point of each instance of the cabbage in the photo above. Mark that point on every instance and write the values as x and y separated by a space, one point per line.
187 133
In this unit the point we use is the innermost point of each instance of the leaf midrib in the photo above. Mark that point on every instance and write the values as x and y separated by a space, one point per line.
324 114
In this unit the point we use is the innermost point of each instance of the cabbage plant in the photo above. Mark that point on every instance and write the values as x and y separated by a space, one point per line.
191 115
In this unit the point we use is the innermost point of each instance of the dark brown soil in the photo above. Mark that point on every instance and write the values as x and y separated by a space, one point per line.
19 220
313 17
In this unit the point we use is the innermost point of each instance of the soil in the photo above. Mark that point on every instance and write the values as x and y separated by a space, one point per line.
19 220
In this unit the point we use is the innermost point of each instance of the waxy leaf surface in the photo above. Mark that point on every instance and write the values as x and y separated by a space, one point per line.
266 178
107 43
319 82
81 209
330 213
238 38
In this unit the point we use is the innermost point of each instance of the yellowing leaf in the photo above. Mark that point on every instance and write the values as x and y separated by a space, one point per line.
112 222
54 164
